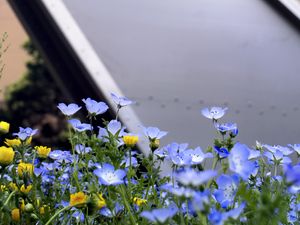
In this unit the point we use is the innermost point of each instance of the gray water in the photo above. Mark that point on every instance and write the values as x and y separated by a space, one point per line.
175 57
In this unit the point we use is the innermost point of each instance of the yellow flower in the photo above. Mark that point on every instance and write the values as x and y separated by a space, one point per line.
139 201
43 209
99 201
130 141
78 199
25 189
15 214
25 168
13 142
43 151
6 155
13 186
22 204
2 187
28 140
4 127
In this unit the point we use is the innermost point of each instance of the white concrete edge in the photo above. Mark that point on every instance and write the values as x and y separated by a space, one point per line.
92 63
293 6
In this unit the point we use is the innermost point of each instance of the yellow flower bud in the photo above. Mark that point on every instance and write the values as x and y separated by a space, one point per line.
13 186
130 140
154 144
139 201
6 155
25 189
15 215
43 151
4 127
22 204
13 142
25 168
78 199
99 201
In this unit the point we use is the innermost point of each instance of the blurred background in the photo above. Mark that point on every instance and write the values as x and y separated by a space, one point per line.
172 57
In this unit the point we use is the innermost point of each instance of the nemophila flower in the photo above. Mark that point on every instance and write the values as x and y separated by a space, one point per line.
78 126
111 213
102 134
113 127
81 149
121 101
160 215
94 107
68 110
130 140
292 174
154 133
277 158
296 148
78 199
227 188
214 113
4 127
225 127
109 176
61 156
199 200
191 177
283 150
25 189
178 191
42 151
238 161
197 155
13 142
176 154
25 133
126 161
222 152
253 154
161 153
7 155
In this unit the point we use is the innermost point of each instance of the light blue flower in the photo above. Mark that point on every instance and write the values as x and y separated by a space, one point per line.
284 150
225 127
109 176
121 101
114 127
214 113
191 177
199 200
111 213
25 133
238 161
178 191
160 215
81 149
68 110
103 134
61 156
197 155
94 107
154 133
296 148
78 126
227 188
277 157
292 174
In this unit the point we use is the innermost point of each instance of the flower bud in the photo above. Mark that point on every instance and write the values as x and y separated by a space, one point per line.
29 207
15 214
7 155
154 144
4 127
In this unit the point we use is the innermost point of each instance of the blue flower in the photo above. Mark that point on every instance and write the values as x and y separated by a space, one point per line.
160 215
284 150
81 149
277 157
109 176
296 148
178 191
61 156
197 156
103 134
292 174
222 152
225 127
214 113
238 161
121 101
114 127
95 108
199 200
227 188
78 126
191 177
25 133
154 133
68 110
111 213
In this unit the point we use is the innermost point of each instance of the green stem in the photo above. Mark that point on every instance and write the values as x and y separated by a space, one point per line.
214 165
7 200
57 213
127 206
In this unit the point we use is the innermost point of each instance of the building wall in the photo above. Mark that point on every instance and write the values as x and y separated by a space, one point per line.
15 58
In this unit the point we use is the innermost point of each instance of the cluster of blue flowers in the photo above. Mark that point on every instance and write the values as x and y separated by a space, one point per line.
103 179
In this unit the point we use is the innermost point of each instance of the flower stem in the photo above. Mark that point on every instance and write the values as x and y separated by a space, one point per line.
127 206
57 213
